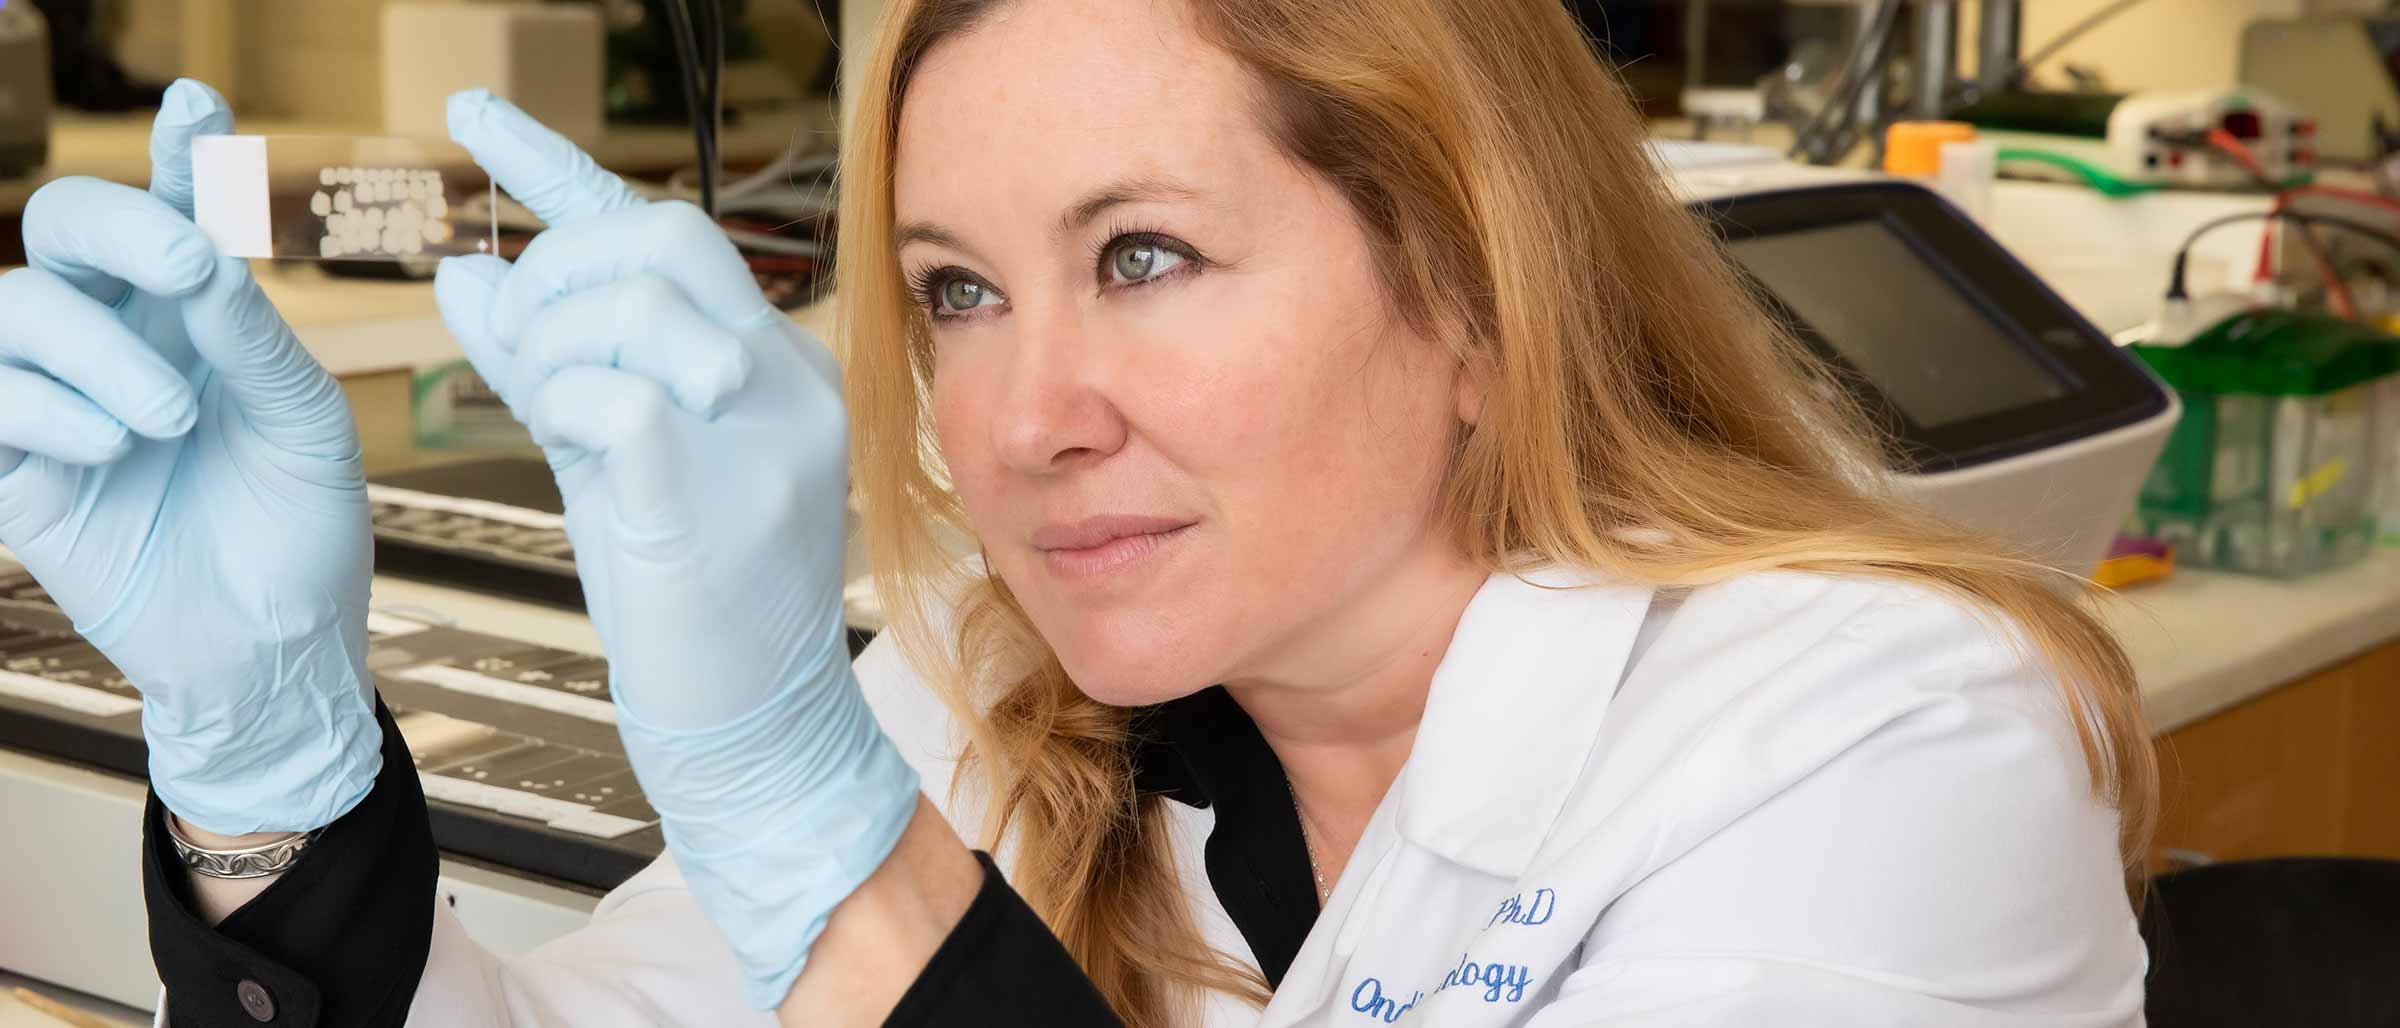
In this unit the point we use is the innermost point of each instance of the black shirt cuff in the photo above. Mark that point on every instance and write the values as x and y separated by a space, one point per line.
339 941
1001 967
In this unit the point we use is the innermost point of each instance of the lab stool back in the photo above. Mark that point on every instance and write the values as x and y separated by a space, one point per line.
2296 941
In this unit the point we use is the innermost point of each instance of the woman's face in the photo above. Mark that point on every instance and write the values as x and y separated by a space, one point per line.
1189 427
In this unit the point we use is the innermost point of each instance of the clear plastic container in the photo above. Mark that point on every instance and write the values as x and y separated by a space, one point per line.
2284 452
2385 438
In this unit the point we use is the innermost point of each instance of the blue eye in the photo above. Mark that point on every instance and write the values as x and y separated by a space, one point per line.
952 292
1136 259
964 294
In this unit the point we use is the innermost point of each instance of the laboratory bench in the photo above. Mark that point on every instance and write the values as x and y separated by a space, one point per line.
2277 702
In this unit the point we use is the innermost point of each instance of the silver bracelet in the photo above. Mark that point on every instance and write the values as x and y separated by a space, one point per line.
256 862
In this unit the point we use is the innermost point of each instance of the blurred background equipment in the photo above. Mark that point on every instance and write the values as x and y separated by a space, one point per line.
2210 139
545 58
2344 69
24 89
1743 61
83 73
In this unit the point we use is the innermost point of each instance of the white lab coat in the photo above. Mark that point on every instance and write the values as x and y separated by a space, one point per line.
1786 799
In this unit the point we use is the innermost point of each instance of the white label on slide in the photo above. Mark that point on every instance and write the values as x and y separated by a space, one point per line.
229 194
72 697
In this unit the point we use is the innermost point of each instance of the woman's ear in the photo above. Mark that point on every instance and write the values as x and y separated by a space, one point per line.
1469 388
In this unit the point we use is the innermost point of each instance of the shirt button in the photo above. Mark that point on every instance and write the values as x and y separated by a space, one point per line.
256 1002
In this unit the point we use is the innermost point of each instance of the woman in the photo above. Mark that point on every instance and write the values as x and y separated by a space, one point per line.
1417 584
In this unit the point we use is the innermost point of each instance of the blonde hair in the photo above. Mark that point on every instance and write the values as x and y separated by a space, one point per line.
1643 416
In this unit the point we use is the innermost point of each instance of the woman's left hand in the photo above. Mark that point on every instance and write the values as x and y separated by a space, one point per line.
700 443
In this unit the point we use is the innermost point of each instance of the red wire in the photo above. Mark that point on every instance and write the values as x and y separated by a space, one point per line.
2337 294
2223 140
2339 193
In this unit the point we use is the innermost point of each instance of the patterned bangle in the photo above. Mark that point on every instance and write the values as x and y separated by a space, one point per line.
256 862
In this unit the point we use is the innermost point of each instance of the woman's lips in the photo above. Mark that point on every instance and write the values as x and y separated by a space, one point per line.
1098 546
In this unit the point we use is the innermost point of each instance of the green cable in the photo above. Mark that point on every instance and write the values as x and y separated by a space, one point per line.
2099 178
2092 175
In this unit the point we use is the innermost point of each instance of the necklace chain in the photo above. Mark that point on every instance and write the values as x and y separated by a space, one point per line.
1305 845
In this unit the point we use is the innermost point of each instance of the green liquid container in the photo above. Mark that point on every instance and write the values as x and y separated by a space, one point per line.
2284 456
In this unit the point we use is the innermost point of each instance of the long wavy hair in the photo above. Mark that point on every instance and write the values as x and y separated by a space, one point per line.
1643 416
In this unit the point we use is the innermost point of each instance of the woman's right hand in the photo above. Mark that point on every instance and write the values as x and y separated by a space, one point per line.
185 481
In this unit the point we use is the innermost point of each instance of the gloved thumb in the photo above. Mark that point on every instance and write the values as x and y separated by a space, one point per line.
464 288
284 393
541 169
189 109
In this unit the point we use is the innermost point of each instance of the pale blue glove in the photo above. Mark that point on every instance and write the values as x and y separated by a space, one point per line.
700 443
218 553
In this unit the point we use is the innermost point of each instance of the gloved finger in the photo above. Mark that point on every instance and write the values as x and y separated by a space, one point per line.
287 396
48 325
107 238
643 325
552 177
672 240
39 415
463 289
627 422
189 109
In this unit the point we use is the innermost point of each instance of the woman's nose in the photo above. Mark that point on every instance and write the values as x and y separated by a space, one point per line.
1054 414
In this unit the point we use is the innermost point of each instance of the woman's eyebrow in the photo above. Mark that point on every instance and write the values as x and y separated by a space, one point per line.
1137 189
925 232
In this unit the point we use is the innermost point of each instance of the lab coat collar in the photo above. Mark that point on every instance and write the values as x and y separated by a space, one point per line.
1514 711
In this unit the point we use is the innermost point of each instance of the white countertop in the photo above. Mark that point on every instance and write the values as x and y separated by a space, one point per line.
2203 640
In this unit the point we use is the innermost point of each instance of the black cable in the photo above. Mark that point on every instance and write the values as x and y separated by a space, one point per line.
2175 289
710 23
2310 238
1866 58
1838 98
692 60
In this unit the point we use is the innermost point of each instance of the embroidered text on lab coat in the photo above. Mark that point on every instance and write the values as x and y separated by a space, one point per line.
1496 979
1502 983
1519 910
1368 999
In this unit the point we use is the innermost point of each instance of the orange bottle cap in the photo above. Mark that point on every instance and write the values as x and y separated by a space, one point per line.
1915 147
